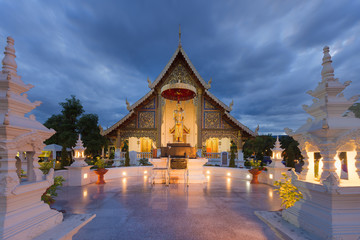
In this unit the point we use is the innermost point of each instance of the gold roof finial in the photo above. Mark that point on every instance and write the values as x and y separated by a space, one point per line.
179 35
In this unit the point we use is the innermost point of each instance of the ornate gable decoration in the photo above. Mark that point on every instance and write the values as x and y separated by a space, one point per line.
212 119
226 125
209 106
147 119
131 124
150 105
180 74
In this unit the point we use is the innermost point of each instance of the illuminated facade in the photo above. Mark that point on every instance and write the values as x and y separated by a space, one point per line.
207 123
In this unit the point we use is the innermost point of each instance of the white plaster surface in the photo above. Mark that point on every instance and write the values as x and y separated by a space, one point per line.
68 228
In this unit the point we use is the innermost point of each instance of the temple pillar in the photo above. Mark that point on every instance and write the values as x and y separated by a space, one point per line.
34 173
158 121
118 140
8 176
357 159
200 104
328 152
305 167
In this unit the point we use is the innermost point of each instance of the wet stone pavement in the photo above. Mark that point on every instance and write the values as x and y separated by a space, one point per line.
131 208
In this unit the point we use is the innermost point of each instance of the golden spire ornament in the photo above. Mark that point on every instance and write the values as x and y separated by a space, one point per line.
179 35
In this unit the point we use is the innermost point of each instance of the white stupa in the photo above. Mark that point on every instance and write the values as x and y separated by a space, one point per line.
330 208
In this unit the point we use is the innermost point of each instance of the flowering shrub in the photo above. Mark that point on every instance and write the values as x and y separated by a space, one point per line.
100 163
256 164
288 193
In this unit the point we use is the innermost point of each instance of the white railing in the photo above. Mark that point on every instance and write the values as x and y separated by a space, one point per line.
215 156
146 155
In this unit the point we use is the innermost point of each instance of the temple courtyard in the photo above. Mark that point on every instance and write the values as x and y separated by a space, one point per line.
131 208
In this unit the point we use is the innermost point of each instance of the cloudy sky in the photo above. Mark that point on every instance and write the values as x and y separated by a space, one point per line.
263 54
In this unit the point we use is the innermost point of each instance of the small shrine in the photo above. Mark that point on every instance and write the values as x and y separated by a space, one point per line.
330 179
22 213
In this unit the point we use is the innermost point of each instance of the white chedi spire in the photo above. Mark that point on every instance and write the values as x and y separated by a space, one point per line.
329 100
327 72
8 62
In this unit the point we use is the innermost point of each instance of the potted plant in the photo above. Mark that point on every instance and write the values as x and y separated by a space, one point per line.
100 171
256 169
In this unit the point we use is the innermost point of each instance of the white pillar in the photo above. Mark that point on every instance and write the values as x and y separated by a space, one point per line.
328 153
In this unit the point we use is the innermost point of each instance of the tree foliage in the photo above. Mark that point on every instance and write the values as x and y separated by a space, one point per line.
355 109
127 155
291 150
90 134
71 122
233 149
260 146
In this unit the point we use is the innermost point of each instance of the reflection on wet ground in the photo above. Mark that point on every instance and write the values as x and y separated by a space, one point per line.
131 208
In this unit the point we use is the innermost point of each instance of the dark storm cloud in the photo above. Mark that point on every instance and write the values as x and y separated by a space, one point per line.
264 55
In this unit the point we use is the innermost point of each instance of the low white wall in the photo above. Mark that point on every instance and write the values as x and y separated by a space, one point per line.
118 172
241 173
267 177
127 172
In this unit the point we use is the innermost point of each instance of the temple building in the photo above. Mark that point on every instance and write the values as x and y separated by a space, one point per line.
202 120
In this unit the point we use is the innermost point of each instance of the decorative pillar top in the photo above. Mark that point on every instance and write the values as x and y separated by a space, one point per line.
8 62
79 145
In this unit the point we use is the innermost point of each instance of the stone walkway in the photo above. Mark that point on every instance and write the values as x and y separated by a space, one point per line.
130 208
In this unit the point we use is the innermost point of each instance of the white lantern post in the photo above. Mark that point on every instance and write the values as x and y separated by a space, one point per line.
276 168
79 171
79 154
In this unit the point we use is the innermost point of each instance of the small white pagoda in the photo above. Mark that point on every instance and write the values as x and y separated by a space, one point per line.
22 213
330 144
79 171
276 167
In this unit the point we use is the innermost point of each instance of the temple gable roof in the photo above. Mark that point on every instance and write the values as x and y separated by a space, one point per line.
168 65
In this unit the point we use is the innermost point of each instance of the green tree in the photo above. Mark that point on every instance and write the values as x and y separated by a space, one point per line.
90 134
70 123
125 149
260 145
54 122
291 150
355 109
233 149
